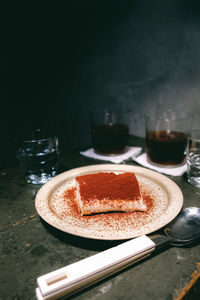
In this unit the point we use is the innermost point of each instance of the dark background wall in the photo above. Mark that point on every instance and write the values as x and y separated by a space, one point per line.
66 59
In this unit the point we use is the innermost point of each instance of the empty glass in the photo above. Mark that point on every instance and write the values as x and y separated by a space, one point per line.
193 158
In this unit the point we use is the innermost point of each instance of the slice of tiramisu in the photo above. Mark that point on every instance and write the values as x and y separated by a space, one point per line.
109 192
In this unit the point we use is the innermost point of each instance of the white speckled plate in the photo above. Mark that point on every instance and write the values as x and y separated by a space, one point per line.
56 205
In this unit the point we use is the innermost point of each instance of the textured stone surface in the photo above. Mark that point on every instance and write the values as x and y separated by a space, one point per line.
30 247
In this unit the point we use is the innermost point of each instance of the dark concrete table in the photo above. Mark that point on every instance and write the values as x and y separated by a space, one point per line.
30 248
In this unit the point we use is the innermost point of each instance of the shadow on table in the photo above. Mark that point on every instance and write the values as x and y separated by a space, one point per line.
81 242
100 245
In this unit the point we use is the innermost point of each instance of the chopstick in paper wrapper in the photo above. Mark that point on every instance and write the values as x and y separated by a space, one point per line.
74 277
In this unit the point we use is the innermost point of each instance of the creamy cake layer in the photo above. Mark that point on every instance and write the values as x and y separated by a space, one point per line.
106 192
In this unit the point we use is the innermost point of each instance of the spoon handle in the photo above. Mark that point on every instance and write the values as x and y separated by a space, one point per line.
81 274
160 240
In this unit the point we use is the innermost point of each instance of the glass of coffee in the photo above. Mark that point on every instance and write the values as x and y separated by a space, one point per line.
109 131
166 137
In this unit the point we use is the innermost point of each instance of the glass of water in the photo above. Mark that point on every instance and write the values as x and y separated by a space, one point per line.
38 156
193 158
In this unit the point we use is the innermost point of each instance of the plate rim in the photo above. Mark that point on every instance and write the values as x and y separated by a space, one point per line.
46 189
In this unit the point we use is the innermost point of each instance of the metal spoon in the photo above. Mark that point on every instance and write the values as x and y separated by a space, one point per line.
183 230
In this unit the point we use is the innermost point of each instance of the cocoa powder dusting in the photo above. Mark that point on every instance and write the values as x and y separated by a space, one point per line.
121 186
112 221
70 197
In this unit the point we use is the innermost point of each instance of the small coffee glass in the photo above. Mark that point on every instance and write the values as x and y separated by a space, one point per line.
193 158
38 156
166 137
109 131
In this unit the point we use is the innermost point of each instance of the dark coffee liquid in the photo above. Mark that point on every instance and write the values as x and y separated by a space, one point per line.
166 148
110 139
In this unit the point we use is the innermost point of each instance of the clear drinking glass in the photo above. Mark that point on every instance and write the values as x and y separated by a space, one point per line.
166 137
193 158
38 157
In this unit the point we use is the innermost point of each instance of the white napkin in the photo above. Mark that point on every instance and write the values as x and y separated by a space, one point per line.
117 159
174 171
